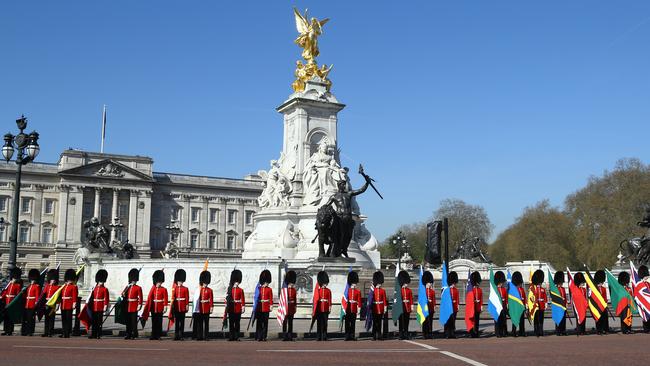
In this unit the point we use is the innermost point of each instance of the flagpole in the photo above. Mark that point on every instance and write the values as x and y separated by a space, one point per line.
101 149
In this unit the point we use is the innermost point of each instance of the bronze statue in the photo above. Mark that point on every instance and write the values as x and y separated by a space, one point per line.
471 249
639 247
96 236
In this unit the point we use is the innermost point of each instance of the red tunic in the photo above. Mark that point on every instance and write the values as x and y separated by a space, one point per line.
324 300
603 292
431 299
100 298
49 290
478 299
69 296
181 296
206 301
265 299
238 300
563 295
31 295
354 298
540 297
379 301
133 298
159 299
292 301
10 292
407 299
455 299
522 294
504 297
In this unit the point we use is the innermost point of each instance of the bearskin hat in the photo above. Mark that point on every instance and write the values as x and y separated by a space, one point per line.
377 278
403 278
158 276
353 277
134 275
180 275
322 278
235 276
624 278
34 274
427 277
558 278
70 275
205 277
517 278
643 271
53 275
579 278
538 277
101 276
452 279
290 277
16 273
599 276
499 277
265 276
475 277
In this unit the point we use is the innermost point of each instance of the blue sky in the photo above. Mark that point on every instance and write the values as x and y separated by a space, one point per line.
501 104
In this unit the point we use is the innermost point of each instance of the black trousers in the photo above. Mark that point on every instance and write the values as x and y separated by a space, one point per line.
261 326
450 326
179 325
404 319
234 321
96 326
427 327
8 324
287 327
29 322
132 325
646 326
560 329
376 326
350 322
501 325
202 327
474 332
156 325
66 322
48 325
321 325
195 325
602 325
538 323
625 329
581 327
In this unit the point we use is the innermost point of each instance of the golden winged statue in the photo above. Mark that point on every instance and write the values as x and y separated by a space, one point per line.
309 31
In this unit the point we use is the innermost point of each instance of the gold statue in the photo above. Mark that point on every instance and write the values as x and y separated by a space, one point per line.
308 40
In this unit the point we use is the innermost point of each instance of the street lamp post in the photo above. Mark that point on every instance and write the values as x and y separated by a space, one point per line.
400 242
26 147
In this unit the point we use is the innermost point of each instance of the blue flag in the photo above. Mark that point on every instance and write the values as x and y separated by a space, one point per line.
369 301
446 306
256 299
422 311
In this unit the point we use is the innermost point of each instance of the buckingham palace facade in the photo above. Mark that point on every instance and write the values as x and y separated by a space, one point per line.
212 216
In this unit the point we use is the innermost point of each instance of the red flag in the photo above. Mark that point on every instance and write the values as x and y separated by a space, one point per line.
170 316
580 304
85 315
146 309
469 310
316 299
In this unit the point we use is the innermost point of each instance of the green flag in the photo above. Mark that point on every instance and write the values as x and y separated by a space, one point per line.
619 296
397 303
15 308
516 306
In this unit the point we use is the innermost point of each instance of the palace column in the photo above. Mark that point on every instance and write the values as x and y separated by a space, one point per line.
204 223
116 193
64 201
98 192
133 217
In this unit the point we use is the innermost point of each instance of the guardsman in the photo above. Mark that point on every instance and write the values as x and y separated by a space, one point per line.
427 326
133 298
264 306
379 305
558 279
8 294
180 303
644 277
157 304
32 293
323 305
475 278
624 280
579 280
501 325
235 304
450 325
602 325
100 304
404 280
292 302
69 297
539 292
50 288
519 325
352 307
206 303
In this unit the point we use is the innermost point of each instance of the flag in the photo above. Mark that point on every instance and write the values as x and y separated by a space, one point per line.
170 315
495 303
622 301
369 301
283 304
446 305
344 301
558 309
56 297
205 265
516 306
196 300
314 301
579 301
120 307
40 303
470 309
398 307
422 311
86 315
509 277
641 293
256 300
14 310
597 304
532 302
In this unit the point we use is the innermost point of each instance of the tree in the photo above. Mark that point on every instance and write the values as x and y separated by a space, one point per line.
465 221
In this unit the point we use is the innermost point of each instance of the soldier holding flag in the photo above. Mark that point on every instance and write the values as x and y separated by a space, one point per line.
264 306
406 296
352 300
379 305
179 304
50 289
133 298
7 296
32 293
99 303
427 325
69 296
235 304
206 304
322 305
291 305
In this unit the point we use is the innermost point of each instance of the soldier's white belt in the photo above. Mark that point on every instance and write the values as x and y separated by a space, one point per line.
98 300
406 300
179 298
158 300
323 300
31 297
379 302
203 301
264 300
237 301
66 298
131 300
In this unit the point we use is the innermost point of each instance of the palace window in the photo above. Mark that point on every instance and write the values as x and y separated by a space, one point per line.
2 233
230 241
212 241
3 204
47 235
23 234
232 217
49 207
25 204
175 213
196 214
249 217
194 241
214 215
123 210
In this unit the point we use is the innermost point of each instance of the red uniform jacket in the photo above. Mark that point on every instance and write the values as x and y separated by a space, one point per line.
100 298
49 290
133 298
323 300
478 299
265 299
540 297
431 299
563 294
522 295
12 290
32 294
69 296
354 298
603 292
292 301
379 301
206 301
238 300
181 297
455 299
504 297
407 299
157 299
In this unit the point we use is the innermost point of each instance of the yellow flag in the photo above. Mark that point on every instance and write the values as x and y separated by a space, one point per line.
205 265
532 304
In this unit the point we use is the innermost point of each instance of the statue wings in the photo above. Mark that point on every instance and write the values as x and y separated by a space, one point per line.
301 22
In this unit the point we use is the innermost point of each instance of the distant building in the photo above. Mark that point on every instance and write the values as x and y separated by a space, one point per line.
215 215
